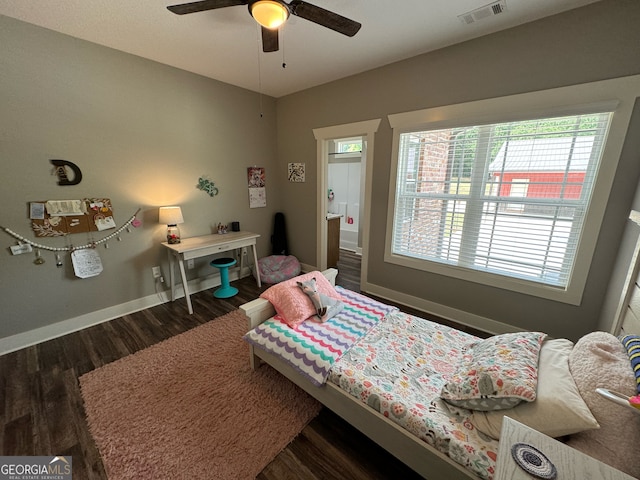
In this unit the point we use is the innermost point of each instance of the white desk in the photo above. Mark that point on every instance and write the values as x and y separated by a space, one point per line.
570 463
196 247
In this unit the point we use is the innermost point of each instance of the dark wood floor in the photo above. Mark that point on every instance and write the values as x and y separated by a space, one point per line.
42 413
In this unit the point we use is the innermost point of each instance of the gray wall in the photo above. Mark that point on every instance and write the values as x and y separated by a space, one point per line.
142 134
596 42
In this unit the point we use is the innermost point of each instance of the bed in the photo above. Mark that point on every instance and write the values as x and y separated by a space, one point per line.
404 381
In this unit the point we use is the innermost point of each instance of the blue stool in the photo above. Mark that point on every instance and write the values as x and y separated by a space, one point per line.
225 290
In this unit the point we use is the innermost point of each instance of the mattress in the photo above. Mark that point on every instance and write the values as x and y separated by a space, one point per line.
399 369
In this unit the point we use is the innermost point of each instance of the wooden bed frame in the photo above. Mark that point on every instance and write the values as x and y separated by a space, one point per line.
414 452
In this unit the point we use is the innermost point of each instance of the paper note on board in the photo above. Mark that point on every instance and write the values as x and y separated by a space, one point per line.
36 211
63 208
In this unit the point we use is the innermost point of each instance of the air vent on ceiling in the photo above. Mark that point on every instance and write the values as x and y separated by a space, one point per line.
490 10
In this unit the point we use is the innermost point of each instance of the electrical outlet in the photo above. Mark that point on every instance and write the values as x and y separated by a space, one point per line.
156 272
190 264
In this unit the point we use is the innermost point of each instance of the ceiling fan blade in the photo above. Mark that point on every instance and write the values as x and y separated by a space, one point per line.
324 17
269 39
204 5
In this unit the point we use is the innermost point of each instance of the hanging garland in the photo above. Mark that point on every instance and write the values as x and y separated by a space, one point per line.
132 221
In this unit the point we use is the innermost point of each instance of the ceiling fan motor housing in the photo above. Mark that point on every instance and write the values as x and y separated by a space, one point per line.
269 13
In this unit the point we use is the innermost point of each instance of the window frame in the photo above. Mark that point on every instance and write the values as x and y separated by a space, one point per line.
616 95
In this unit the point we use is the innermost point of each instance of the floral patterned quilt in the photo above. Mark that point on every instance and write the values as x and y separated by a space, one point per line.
399 369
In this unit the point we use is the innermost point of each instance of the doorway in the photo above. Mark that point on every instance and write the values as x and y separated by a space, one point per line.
326 139
345 182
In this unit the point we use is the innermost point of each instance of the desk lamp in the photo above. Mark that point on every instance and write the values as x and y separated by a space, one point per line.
171 217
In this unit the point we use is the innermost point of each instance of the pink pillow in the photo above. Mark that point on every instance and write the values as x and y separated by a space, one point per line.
294 306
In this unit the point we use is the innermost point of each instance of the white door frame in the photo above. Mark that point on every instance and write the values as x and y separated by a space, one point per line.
366 129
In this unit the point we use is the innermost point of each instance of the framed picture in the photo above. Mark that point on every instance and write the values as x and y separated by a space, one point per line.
296 172
256 177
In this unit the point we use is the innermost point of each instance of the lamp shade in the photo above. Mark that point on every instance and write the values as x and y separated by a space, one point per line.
269 13
170 215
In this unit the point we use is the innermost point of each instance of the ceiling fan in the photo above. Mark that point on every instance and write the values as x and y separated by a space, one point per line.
270 14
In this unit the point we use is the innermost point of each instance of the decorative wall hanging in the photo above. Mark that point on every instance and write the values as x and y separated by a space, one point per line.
85 265
55 218
60 170
296 172
133 221
85 259
256 179
207 186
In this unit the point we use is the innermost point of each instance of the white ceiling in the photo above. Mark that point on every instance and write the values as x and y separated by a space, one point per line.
224 44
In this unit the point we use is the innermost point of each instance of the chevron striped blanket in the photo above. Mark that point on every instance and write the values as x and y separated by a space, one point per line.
312 348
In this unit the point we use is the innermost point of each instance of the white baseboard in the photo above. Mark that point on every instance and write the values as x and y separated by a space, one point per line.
442 311
459 316
59 329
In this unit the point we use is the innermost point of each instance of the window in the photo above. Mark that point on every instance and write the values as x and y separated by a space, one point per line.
485 179
349 145
505 198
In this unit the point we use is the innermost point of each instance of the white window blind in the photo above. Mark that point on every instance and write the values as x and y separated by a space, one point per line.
505 198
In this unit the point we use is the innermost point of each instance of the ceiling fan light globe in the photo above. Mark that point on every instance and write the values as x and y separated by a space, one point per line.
269 13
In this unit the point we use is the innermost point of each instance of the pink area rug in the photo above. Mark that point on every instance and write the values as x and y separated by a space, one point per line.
191 408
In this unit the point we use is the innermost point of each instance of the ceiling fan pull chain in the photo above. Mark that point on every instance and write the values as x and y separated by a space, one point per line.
284 63
259 74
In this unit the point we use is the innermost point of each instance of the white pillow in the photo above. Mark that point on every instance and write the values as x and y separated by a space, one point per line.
558 409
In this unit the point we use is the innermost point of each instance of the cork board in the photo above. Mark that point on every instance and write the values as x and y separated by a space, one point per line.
54 218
